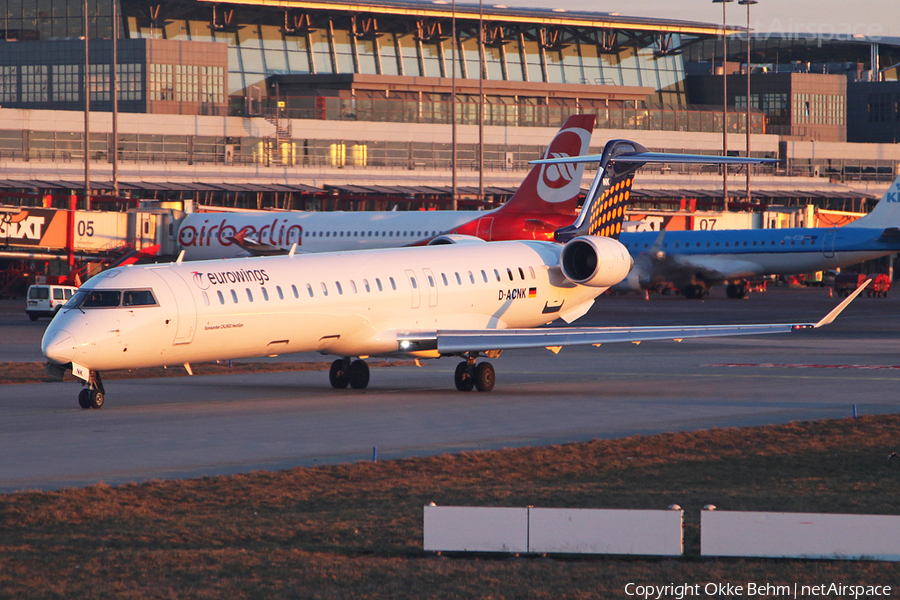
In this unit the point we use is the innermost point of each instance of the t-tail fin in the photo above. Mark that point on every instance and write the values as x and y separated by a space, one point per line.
886 213
603 213
555 188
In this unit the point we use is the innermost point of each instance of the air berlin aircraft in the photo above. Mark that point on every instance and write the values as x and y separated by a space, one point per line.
546 201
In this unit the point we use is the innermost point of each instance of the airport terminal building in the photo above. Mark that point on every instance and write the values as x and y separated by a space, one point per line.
313 86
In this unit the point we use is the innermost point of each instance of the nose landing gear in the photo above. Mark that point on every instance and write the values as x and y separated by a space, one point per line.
94 395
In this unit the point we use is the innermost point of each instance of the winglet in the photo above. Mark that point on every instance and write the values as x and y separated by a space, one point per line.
830 317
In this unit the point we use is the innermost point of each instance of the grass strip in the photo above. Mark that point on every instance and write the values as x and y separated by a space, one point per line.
355 530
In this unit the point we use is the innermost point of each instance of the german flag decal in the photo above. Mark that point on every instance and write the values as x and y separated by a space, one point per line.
532 292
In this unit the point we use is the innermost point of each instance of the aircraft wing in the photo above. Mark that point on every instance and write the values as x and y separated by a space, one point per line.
460 341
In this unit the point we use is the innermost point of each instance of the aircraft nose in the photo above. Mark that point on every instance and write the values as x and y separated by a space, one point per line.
59 346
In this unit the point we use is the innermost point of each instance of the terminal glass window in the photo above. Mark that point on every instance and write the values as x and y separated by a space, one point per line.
34 83
66 83
388 46
343 51
8 84
99 83
131 81
321 51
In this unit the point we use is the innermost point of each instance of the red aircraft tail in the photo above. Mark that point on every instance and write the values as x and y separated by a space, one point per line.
555 188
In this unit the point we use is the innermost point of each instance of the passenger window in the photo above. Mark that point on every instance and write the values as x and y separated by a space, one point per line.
509 272
444 278
221 297
531 270
294 289
249 295
458 280
205 298
353 286
234 296
412 280
393 285
471 277
366 285
484 276
497 274
339 288
280 295
324 289
378 283
430 281
521 274
265 294
309 289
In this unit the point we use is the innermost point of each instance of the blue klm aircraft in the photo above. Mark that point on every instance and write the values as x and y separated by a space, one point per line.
694 261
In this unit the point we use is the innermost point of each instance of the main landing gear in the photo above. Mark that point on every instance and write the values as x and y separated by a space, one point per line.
469 375
93 395
345 371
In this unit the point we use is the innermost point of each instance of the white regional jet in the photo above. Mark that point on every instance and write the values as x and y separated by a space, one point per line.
466 299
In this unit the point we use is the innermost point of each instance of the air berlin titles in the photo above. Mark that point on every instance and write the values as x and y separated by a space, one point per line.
203 280
222 233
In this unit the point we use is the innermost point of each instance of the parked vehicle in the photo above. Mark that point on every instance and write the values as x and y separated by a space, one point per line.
845 283
44 300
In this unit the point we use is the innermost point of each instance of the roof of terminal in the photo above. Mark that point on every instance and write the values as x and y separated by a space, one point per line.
493 12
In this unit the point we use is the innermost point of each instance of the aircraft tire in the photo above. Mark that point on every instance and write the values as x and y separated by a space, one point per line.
84 398
96 398
464 378
337 375
358 374
484 377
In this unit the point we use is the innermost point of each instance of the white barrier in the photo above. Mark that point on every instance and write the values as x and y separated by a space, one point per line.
476 529
552 530
593 531
799 535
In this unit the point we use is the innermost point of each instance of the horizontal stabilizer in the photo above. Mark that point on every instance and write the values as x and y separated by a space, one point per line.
661 157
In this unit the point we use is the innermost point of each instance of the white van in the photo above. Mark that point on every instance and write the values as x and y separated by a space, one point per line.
45 300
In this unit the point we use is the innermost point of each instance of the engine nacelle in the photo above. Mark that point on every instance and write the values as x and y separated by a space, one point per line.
595 261
455 238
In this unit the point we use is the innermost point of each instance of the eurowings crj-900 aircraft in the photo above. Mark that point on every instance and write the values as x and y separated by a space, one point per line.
694 261
546 201
466 299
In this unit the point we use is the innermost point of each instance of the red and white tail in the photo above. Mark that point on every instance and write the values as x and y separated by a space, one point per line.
555 188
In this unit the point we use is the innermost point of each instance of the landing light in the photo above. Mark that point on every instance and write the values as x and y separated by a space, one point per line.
404 345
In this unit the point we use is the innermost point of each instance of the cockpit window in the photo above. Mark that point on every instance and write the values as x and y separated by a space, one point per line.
111 298
138 298
101 299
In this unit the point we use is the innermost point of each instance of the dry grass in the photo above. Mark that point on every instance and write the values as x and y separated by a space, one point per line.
355 531
25 372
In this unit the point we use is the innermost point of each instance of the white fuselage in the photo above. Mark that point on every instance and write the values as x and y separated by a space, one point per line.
345 303
205 236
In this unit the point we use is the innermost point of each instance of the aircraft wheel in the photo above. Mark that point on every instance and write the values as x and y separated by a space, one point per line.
358 374
484 377
96 398
464 378
84 398
338 375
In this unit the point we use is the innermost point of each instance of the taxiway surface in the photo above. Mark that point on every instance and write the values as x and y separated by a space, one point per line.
184 427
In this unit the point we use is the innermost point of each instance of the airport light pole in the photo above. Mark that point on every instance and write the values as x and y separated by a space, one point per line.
454 205
87 111
748 3
724 103
115 97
